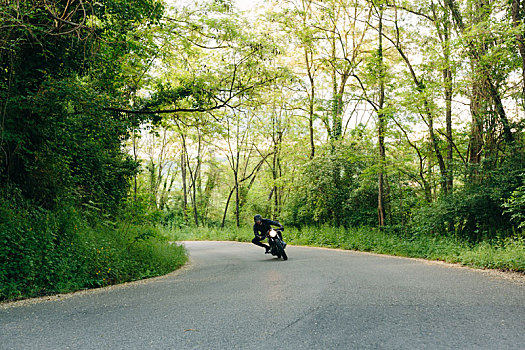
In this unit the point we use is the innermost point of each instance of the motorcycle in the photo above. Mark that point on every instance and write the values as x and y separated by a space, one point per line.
276 243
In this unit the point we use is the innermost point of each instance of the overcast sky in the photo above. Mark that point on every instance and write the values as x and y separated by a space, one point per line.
241 4
246 4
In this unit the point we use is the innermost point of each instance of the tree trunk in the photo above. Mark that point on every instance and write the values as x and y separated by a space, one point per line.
196 181
236 174
186 167
226 207
447 74
337 94
478 112
517 20
447 79
380 195
237 199
483 88
447 82
381 126
439 156
184 187
277 135
500 110
135 159
311 103
426 110
195 212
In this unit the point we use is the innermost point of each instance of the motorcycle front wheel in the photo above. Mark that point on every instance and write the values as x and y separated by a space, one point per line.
285 257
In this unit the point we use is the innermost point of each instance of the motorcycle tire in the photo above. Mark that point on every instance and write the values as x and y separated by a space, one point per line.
285 257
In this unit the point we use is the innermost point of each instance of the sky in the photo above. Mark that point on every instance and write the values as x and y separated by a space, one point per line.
243 5
246 4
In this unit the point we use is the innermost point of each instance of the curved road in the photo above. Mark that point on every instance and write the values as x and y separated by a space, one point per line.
232 296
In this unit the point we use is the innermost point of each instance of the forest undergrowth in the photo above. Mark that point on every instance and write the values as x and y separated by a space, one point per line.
47 252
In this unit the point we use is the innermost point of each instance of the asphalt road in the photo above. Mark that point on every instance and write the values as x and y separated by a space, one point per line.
232 296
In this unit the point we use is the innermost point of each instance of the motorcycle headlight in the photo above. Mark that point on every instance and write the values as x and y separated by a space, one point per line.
273 233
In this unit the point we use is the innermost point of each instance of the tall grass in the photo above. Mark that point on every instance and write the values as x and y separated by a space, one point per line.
504 254
47 252
191 233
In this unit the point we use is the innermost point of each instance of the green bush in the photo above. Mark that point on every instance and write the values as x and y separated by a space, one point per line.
47 252
504 254
327 190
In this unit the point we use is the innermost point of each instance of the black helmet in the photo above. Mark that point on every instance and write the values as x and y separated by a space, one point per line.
257 218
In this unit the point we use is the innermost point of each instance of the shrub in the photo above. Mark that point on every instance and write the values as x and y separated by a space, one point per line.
47 252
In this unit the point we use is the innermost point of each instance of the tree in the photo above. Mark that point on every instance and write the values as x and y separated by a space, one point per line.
58 66
314 74
485 78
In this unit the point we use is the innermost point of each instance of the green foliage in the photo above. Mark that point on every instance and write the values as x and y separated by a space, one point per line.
203 233
57 140
331 190
504 254
272 103
482 207
429 62
515 206
64 174
47 252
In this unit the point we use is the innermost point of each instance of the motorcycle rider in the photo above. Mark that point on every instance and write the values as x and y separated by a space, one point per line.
263 226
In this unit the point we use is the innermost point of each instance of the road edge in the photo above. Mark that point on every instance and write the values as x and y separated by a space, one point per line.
512 276
64 296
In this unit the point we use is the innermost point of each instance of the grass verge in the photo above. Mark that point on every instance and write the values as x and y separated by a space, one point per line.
503 254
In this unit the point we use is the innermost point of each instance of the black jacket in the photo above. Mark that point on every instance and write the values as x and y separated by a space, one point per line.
265 226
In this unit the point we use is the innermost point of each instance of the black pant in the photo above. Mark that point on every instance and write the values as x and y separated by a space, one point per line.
257 241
